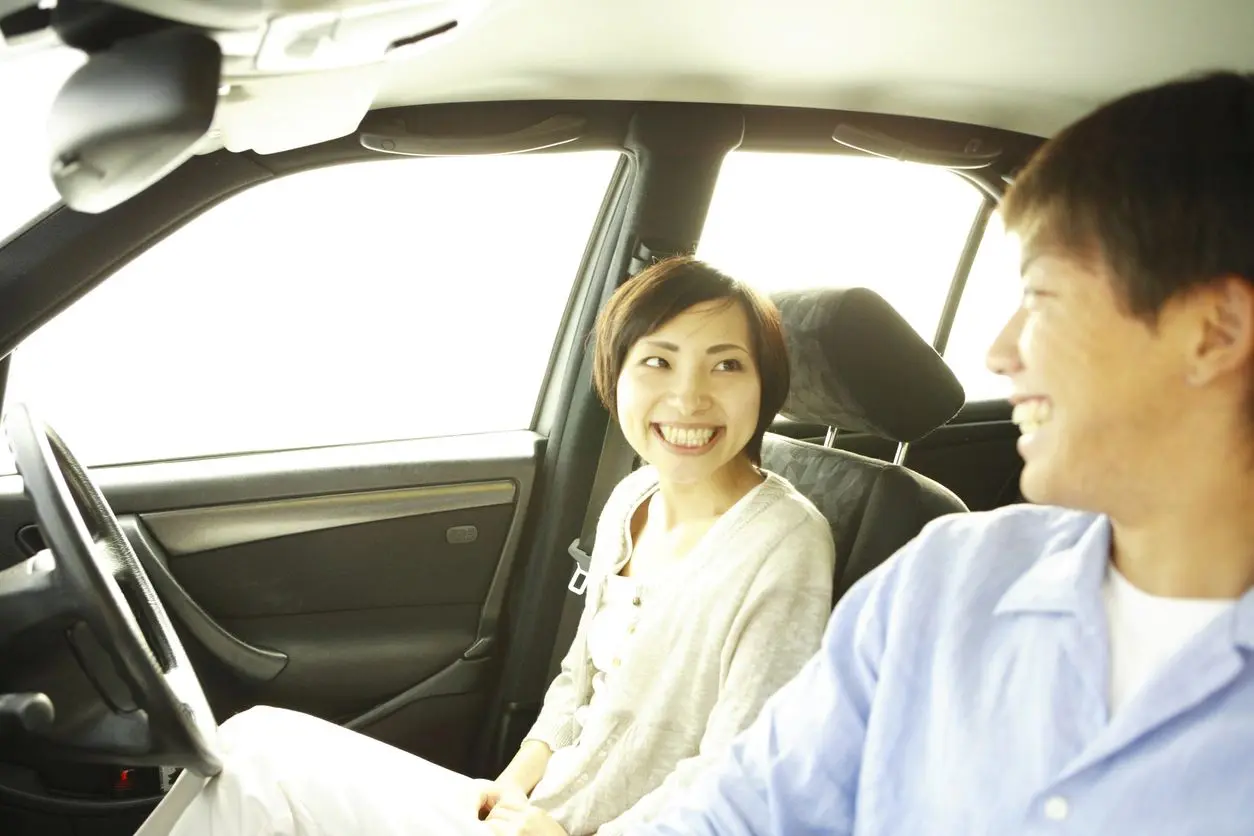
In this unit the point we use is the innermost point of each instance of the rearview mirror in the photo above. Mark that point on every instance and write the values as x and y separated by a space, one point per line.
131 115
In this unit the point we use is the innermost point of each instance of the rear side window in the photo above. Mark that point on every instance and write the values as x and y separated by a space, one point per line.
784 221
364 302
992 295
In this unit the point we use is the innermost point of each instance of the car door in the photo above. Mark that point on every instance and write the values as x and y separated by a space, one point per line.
314 407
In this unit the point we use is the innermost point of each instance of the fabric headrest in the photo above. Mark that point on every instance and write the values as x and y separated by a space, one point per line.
857 365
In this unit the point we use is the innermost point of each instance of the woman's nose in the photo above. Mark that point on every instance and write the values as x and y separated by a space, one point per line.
691 394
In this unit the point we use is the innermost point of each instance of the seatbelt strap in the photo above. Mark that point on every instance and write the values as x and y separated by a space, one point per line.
616 461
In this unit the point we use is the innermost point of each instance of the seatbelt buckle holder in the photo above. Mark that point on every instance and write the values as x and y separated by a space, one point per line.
579 580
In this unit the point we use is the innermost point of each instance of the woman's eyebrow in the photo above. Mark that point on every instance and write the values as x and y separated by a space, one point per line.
721 347
714 349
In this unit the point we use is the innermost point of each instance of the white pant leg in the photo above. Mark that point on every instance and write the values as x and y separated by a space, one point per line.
289 774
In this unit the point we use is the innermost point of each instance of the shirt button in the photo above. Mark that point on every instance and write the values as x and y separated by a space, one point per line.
1056 808
617 662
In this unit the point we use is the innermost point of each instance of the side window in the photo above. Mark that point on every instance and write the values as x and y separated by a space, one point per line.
363 302
989 300
783 221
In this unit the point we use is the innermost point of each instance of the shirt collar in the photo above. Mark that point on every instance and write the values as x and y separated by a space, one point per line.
1067 579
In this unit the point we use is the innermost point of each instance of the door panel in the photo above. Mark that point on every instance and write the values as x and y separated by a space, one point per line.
362 584
412 556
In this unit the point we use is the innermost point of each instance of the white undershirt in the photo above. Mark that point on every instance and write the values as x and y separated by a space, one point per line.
1146 631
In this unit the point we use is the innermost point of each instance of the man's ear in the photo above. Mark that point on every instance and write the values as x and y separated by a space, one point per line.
1224 339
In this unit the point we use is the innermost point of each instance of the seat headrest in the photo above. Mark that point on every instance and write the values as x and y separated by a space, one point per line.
857 365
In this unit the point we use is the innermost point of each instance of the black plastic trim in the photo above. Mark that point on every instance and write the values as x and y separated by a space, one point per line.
63 806
464 676
247 662
561 376
957 285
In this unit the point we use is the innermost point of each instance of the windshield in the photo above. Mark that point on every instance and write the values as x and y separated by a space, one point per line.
28 85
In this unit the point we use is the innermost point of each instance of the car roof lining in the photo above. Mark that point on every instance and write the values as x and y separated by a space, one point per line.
1026 67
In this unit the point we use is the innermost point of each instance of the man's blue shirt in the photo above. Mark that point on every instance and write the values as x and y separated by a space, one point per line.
961 690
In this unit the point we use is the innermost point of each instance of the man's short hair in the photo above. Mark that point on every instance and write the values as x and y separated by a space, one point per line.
661 292
1158 186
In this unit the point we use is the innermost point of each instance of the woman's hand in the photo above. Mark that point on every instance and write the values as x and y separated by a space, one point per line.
512 817
488 794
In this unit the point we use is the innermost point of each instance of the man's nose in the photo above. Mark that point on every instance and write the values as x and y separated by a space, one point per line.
1003 355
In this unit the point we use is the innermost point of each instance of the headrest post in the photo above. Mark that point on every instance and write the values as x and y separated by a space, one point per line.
899 458
829 440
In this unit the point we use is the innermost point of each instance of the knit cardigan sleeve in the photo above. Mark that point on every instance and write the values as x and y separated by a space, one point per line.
778 627
555 726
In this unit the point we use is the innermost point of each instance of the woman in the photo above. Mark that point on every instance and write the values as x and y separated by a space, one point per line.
709 587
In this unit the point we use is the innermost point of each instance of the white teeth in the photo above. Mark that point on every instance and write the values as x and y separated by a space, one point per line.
686 436
1031 414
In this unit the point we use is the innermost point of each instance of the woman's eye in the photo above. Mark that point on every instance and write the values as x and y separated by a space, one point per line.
730 366
654 362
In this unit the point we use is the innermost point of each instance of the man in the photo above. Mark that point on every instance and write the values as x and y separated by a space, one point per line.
1084 665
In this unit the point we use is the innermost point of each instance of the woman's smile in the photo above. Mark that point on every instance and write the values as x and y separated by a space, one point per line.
687 440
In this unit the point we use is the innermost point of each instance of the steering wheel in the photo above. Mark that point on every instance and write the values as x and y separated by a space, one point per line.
165 717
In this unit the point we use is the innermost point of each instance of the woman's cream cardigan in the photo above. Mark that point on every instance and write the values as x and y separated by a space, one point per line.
718 633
